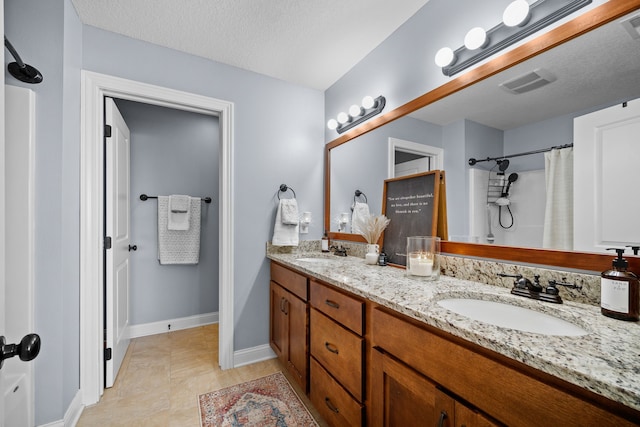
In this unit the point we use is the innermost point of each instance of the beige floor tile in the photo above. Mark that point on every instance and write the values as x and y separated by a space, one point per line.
162 377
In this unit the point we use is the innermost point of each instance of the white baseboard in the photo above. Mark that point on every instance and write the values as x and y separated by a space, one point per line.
252 355
160 327
72 415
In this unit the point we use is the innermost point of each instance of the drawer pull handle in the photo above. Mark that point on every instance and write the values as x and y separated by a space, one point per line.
286 307
327 402
331 348
332 304
443 416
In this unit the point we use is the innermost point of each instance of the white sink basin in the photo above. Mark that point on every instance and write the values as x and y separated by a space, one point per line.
315 259
512 317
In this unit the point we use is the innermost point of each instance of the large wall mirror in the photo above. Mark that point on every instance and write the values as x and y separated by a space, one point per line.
593 62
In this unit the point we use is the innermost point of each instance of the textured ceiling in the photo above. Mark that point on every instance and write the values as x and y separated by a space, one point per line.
311 43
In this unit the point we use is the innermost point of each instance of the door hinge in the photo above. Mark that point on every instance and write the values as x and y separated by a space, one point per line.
107 242
107 354
107 131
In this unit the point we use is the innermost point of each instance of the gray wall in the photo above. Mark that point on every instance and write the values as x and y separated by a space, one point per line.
278 137
172 152
48 35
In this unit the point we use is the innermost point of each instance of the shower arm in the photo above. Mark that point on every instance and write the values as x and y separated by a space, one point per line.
13 53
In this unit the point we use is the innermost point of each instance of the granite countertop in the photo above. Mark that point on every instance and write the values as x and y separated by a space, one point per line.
605 361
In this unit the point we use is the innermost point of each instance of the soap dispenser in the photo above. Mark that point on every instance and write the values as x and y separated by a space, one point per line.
325 242
620 291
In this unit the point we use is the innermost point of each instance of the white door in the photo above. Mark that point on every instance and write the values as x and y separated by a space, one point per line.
117 228
2 215
412 166
606 155
19 157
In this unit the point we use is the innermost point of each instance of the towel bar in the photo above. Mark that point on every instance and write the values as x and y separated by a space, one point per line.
284 188
144 197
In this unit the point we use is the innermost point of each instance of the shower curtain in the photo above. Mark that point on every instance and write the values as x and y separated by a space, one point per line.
558 218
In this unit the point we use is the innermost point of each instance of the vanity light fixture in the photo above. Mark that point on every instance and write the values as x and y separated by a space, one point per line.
357 114
519 20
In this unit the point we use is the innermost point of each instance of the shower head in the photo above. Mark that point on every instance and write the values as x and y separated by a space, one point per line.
21 71
503 164
513 177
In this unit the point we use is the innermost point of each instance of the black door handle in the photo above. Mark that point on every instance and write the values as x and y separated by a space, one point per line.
27 349
133 248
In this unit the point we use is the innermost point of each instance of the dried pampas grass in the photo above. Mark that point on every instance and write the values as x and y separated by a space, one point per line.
371 227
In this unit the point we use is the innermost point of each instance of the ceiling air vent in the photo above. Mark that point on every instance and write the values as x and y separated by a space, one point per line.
527 82
632 25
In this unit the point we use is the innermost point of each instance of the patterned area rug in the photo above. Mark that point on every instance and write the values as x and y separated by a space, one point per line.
267 401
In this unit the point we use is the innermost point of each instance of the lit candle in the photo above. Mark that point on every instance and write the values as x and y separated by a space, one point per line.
420 264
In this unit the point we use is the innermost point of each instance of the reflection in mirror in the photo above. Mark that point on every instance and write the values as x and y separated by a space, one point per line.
597 70
362 164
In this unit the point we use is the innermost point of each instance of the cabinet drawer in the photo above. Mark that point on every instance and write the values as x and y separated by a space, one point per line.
339 350
335 405
290 280
342 308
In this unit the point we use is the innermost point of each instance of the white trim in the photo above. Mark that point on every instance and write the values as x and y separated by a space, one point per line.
72 414
94 88
436 153
248 356
162 326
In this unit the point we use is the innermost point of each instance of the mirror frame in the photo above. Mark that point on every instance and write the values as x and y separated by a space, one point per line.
584 23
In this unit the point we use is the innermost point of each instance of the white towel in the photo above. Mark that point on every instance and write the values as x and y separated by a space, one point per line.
179 203
284 235
360 212
178 246
289 211
179 212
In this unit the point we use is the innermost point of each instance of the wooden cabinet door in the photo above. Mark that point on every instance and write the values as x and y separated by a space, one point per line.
467 417
297 313
401 397
278 328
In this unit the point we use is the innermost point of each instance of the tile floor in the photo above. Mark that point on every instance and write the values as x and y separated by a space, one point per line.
162 376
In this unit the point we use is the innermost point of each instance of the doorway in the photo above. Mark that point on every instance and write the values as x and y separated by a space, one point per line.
406 158
94 88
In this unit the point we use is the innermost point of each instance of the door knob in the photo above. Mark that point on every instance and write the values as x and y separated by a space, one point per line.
27 349
133 248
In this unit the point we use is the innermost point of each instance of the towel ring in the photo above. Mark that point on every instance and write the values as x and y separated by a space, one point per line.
284 188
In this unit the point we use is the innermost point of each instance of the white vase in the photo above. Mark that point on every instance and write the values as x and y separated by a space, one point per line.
372 254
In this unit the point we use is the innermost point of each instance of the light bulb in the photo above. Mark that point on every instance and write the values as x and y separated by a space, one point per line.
355 110
332 124
368 102
343 118
444 57
475 38
516 14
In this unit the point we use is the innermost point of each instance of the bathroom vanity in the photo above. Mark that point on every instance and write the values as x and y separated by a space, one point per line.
380 350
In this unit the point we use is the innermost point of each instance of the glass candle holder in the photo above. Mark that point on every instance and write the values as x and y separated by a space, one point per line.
423 257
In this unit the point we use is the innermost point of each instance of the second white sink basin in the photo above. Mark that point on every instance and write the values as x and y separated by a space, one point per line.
512 317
